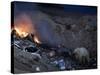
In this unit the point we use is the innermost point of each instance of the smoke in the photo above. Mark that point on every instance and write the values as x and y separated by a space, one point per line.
37 24
23 23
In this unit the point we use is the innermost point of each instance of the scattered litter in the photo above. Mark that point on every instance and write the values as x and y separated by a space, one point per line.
51 56
61 64
52 53
38 55
37 69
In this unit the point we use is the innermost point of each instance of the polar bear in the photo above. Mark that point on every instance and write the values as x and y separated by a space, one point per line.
81 55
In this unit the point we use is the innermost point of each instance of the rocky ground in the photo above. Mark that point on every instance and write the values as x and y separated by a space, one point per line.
72 31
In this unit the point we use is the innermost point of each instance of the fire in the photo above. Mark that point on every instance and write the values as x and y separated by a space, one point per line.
36 40
21 33
23 25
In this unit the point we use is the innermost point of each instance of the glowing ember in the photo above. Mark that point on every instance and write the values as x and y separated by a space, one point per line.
37 40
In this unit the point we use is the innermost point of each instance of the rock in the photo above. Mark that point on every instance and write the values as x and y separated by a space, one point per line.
65 52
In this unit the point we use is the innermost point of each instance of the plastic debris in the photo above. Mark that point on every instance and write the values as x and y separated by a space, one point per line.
61 64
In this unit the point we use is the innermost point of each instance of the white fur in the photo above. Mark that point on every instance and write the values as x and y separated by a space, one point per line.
81 54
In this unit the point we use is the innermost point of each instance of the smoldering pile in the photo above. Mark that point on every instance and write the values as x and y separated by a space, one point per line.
32 56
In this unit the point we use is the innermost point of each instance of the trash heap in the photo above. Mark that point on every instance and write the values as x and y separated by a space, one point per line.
30 56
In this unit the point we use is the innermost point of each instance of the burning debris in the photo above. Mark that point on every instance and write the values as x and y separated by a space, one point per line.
40 56
60 58
37 40
21 33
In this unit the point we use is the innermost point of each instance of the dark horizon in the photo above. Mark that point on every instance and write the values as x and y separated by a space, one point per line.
30 6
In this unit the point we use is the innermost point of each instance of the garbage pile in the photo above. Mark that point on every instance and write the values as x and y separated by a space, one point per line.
42 57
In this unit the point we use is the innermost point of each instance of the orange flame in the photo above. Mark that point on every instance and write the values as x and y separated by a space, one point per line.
23 25
37 40
21 33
